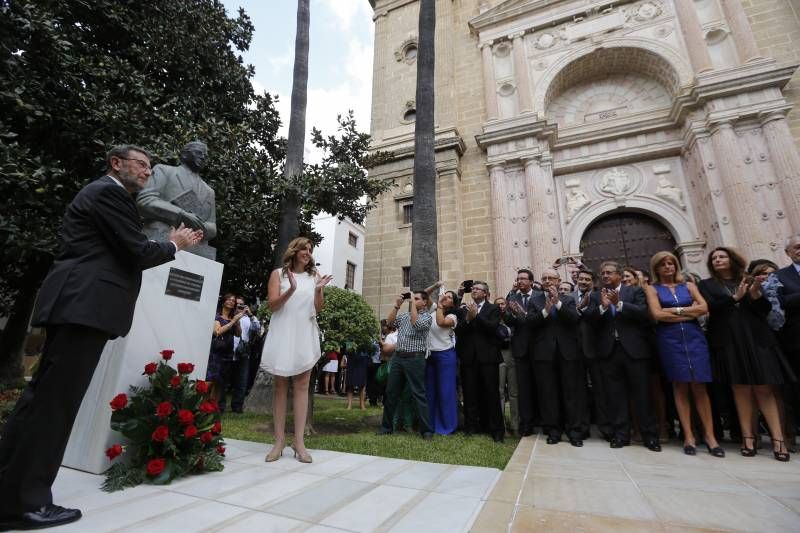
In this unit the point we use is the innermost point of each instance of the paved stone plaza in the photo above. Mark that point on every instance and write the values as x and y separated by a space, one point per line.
557 488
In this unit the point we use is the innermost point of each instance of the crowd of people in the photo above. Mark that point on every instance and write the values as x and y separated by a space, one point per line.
627 350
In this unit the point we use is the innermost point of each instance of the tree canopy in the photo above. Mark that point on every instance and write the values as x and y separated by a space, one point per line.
77 77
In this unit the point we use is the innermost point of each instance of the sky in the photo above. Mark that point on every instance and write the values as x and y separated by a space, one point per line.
340 59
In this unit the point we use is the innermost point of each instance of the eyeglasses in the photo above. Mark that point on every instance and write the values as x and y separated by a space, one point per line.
142 162
606 272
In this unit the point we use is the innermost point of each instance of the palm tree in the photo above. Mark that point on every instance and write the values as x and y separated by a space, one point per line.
424 249
289 228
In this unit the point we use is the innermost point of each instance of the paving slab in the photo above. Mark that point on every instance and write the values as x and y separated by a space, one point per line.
337 493
596 488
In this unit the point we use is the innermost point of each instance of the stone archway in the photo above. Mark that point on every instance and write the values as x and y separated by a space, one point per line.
631 238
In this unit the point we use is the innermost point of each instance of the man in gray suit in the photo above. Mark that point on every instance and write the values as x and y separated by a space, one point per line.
178 195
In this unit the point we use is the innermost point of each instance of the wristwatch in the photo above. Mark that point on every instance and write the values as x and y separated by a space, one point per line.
679 310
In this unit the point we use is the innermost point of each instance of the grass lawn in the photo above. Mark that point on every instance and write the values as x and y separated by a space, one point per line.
353 431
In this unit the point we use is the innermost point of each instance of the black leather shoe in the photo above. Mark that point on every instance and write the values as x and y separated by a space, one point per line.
383 431
553 439
578 443
653 445
525 432
497 437
46 516
617 443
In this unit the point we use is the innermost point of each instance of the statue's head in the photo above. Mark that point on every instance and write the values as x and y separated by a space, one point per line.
194 155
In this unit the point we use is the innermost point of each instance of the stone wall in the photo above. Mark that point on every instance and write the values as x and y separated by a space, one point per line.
776 27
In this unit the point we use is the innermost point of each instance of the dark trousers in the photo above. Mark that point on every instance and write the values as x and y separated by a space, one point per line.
480 388
791 394
406 369
234 378
528 411
561 389
626 377
36 434
598 412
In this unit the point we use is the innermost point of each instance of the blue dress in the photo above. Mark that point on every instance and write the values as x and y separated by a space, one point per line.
682 345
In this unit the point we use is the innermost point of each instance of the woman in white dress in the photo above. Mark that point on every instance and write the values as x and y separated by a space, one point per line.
291 348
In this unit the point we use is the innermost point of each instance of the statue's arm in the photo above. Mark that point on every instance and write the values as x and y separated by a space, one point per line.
210 230
152 206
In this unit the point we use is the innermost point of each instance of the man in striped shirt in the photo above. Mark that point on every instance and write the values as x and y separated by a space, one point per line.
408 362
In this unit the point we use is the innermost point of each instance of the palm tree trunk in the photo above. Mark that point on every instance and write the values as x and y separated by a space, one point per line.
424 249
289 228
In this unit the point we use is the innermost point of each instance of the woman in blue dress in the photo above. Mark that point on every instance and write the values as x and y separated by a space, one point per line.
682 345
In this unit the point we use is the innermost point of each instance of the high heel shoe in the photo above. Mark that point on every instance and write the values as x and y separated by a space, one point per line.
303 457
780 454
745 451
689 449
274 454
716 451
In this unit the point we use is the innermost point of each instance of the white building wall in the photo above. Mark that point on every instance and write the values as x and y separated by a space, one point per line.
335 250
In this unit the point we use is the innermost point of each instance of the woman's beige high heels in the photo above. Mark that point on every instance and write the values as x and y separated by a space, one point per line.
274 454
303 457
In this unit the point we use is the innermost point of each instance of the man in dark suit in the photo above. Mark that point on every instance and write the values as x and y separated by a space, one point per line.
597 395
88 297
621 323
789 295
516 316
558 368
479 358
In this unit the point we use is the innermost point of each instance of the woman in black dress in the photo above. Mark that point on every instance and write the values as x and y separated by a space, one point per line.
744 351
220 360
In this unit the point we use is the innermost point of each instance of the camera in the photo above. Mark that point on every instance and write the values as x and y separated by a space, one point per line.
406 295
467 284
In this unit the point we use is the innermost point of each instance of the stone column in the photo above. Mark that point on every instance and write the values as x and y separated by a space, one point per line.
521 73
489 83
693 36
501 227
543 222
786 162
379 92
740 29
744 213
450 236
719 208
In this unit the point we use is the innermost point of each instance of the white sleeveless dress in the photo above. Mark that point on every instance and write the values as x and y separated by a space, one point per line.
292 343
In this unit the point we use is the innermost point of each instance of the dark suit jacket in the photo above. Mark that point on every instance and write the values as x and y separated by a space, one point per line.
521 336
632 324
96 278
557 333
585 329
789 296
476 341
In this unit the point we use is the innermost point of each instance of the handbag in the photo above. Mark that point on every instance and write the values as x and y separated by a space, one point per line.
223 344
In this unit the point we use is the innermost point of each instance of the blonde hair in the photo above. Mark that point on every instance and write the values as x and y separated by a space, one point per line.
291 251
632 271
659 258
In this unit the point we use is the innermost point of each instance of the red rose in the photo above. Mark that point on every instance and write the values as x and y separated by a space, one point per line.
185 417
185 368
206 437
190 432
201 386
208 407
156 466
167 354
164 409
160 434
114 451
221 450
150 368
216 428
175 382
119 402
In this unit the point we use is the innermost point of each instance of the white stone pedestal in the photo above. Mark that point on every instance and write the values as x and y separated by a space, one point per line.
160 322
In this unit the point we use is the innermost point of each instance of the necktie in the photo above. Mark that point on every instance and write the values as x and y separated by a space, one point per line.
613 310
525 301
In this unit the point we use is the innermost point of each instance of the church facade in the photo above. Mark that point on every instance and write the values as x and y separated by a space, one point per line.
594 129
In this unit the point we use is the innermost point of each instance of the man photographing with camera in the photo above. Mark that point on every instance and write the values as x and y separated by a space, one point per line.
408 362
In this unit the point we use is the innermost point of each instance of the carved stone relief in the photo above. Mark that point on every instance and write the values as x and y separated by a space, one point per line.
615 182
668 191
576 200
